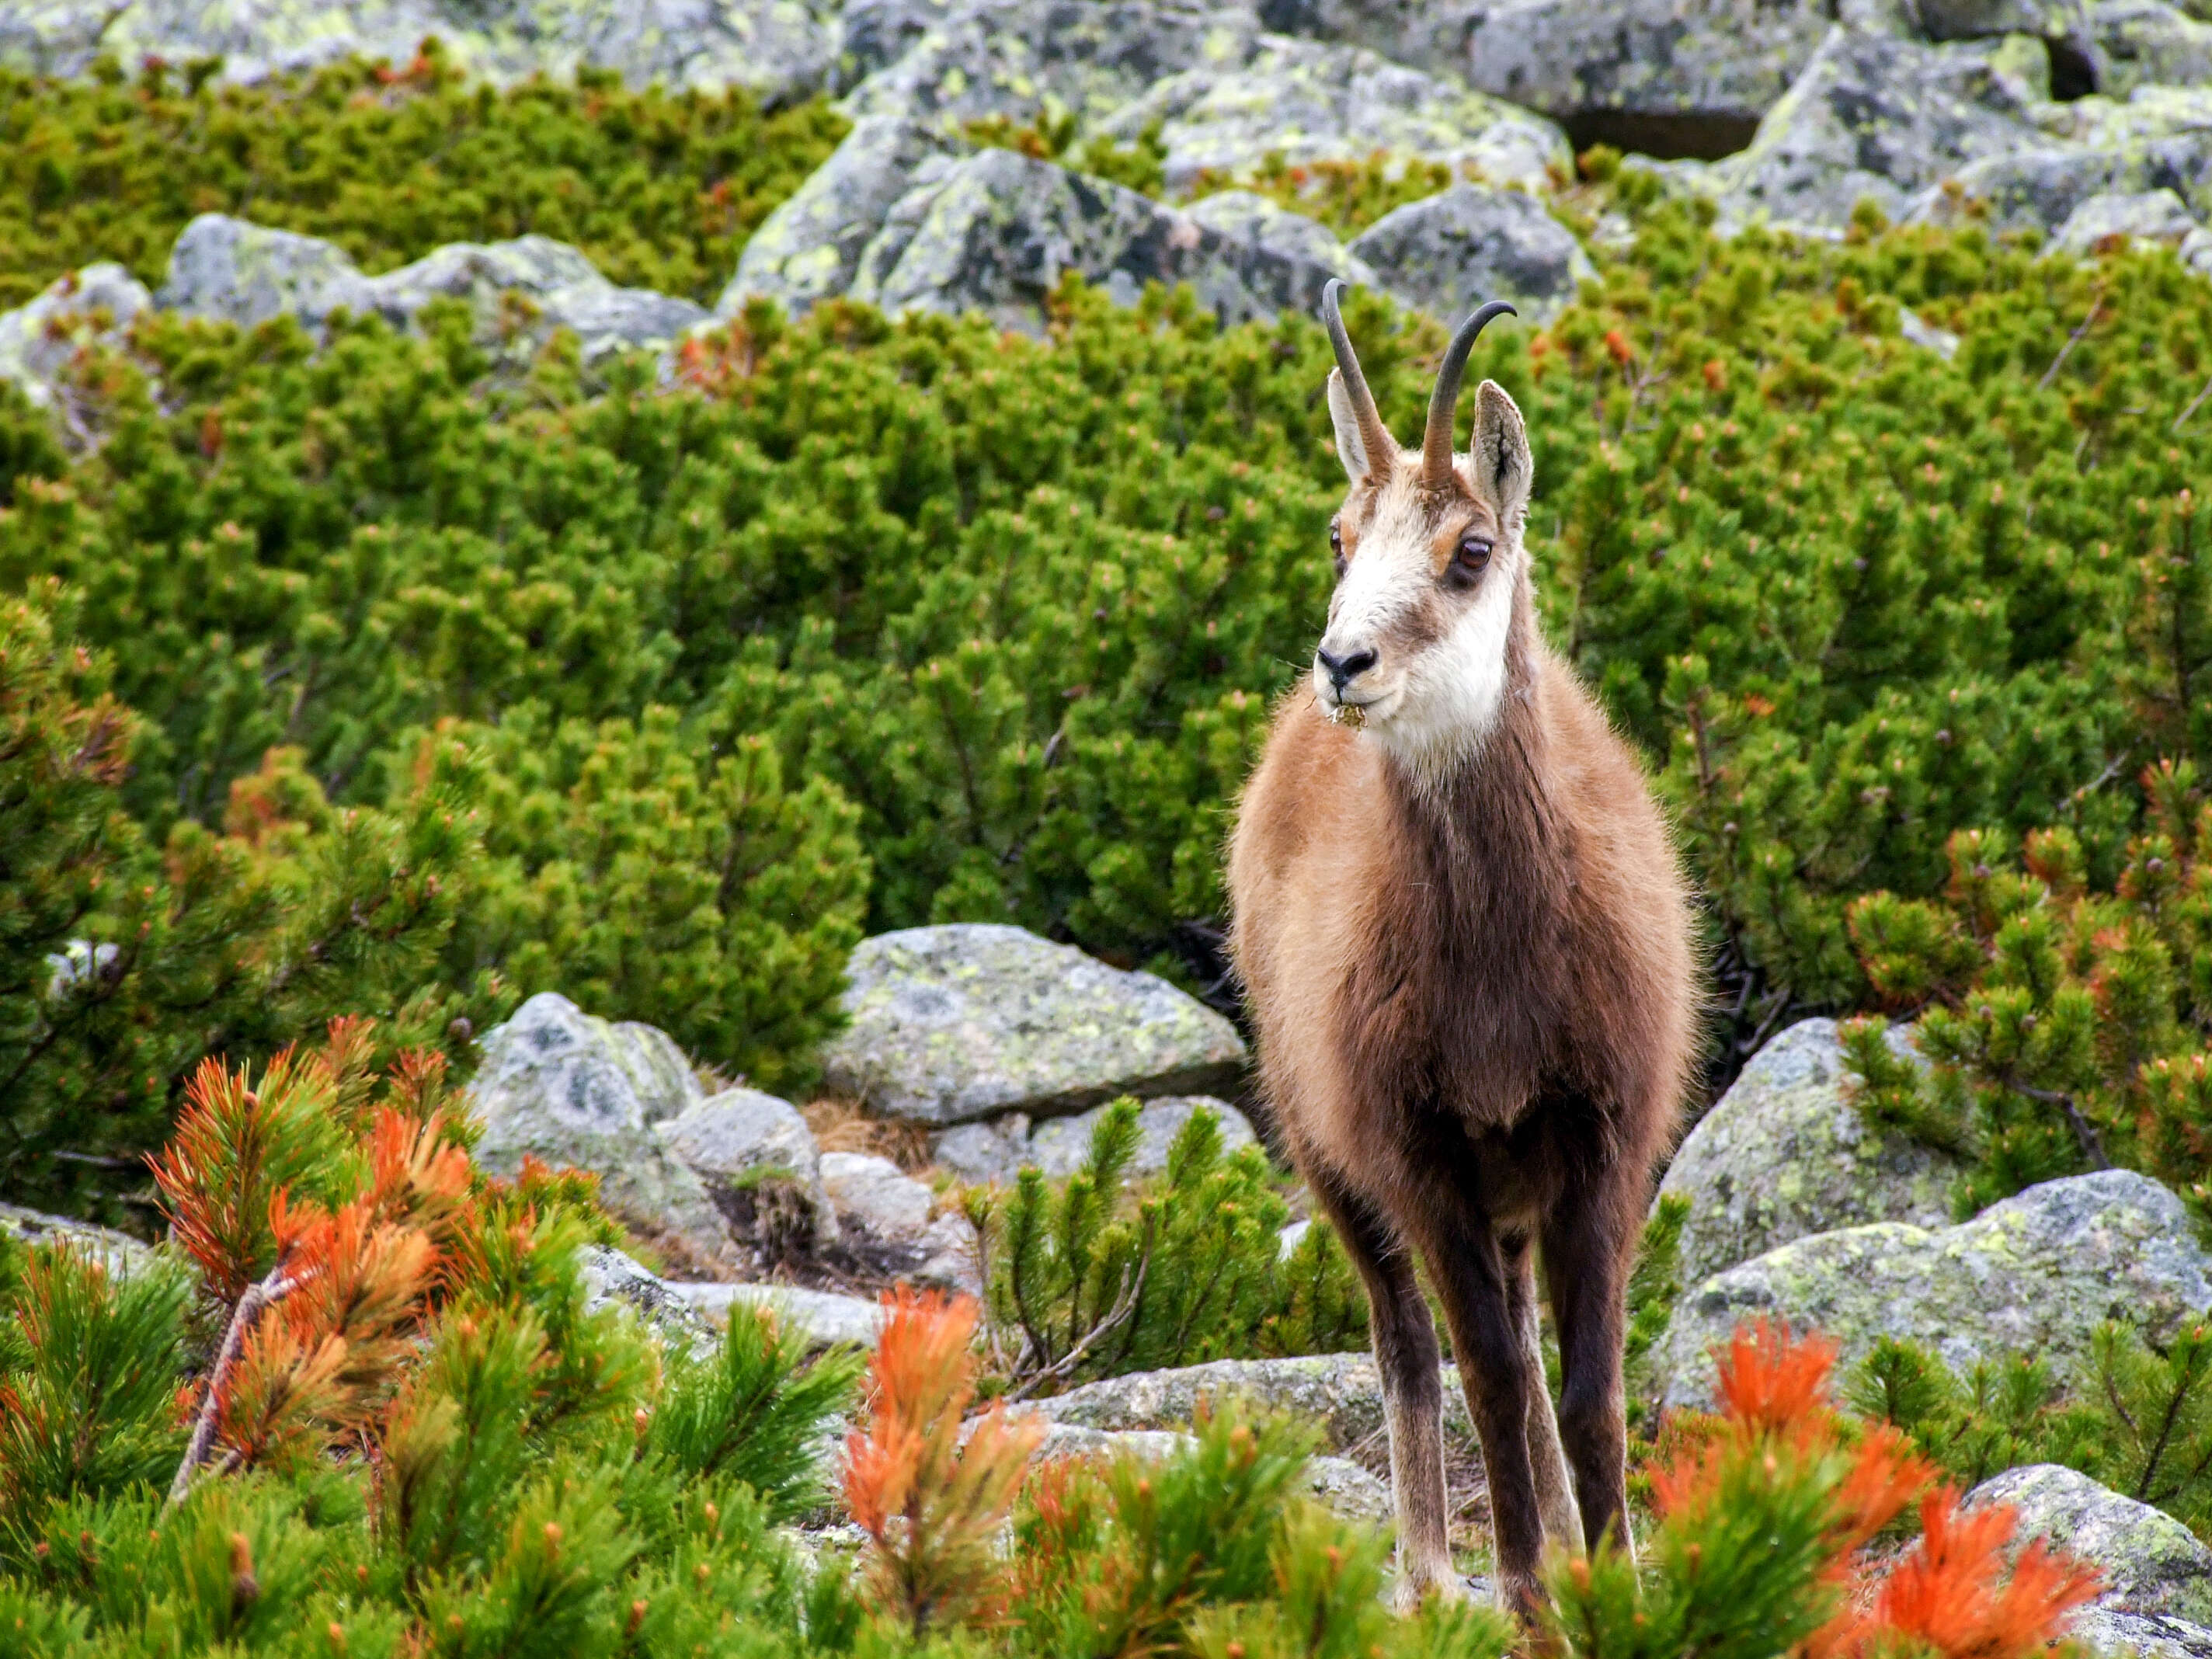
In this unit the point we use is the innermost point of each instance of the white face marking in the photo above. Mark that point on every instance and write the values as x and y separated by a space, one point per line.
1428 706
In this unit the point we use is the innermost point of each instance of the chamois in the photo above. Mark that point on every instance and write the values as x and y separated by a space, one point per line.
1465 945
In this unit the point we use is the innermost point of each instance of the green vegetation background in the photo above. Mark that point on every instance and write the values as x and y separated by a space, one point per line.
448 681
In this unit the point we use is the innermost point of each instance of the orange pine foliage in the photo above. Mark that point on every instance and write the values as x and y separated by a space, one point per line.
1952 1593
930 1499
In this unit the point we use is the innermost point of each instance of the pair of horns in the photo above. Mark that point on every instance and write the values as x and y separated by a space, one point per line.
1443 402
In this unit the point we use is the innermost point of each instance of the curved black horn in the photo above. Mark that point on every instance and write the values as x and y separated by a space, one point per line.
1443 402
1373 435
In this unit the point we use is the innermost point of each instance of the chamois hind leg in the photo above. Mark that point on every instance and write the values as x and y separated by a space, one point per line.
1472 1274
1406 1354
1587 1241
1555 1492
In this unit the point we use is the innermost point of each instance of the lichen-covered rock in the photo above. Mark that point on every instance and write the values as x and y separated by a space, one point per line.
1244 215
613 1278
231 270
823 1317
2150 1563
739 1138
808 247
1784 1153
92 307
1341 1393
2042 187
994 231
1452 251
1059 1146
2147 43
970 1019
1026 58
2154 216
566 290
2037 1274
1337 1483
572 1089
1879 118
2108 1635
118 1251
780 50
1675 58
1307 102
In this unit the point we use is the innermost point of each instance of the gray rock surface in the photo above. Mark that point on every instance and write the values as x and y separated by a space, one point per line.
230 270
1341 1393
873 1191
1306 102
1878 119
808 246
2037 1274
1244 215
2154 215
92 307
614 1279
1060 1145
1784 1153
1024 59
2150 1563
780 49
2111 1635
994 231
739 1138
825 1318
2146 43
566 290
226 270
1674 57
1451 252
572 1089
118 1251
972 1019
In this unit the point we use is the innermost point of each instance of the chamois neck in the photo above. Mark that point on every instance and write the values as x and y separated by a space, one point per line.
1503 750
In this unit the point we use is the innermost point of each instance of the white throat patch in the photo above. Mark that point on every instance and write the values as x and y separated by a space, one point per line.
1455 689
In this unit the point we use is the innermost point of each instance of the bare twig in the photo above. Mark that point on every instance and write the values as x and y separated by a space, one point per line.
1125 1304
258 1299
2085 1133
2195 404
2072 340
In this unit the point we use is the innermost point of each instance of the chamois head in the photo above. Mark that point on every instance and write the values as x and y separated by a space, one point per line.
1428 558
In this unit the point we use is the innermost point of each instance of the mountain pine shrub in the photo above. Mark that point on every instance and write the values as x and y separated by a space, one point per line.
660 189
1088 1282
2138 1419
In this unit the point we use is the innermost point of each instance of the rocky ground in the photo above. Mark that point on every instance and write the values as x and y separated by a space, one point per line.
2083 121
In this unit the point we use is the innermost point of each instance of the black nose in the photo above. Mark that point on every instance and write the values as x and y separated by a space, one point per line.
1342 670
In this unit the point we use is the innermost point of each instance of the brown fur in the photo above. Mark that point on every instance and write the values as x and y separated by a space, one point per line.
1472 987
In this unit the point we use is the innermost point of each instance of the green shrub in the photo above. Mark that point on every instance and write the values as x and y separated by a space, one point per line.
1346 196
662 190
1086 1283
2138 1419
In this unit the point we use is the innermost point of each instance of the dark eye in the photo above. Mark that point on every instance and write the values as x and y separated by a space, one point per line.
1473 552
1336 544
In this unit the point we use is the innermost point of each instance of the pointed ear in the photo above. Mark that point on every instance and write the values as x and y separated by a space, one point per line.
1349 448
1500 467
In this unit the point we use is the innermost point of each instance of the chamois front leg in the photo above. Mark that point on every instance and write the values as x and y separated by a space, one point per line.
1555 1490
1588 1240
1471 1274
1406 1355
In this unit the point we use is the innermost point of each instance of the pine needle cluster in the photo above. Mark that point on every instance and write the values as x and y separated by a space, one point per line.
1090 1280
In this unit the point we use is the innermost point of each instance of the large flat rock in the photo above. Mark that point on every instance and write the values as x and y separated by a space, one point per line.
1451 252
1341 1393
2037 1274
972 1019
1784 1154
